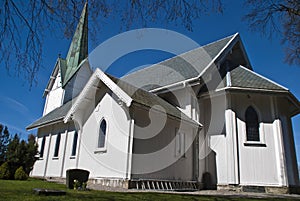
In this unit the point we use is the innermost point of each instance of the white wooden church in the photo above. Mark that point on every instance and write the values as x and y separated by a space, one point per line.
214 124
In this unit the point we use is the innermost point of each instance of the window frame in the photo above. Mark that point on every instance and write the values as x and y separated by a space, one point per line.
74 150
180 139
42 148
57 146
194 108
104 148
261 141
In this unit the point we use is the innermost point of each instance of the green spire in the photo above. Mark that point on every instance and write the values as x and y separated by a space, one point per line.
78 50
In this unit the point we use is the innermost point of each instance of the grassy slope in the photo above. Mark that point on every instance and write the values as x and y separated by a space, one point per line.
22 190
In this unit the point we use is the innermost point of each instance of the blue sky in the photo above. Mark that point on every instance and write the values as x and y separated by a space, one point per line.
20 106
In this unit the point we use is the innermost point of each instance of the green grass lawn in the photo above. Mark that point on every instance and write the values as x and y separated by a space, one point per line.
23 190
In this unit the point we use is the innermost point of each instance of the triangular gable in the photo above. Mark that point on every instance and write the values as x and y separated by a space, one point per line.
127 93
60 67
150 100
52 78
90 88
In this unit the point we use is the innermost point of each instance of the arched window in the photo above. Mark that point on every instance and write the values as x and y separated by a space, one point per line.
102 134
252 125
74 147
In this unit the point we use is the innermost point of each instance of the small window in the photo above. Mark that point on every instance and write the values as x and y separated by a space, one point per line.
179 144
102 134
74 147
194 108
42 147
56 150
252 125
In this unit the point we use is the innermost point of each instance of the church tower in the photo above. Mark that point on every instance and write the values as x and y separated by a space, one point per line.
71 74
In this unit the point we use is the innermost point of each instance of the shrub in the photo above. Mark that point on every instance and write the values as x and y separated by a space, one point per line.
20 174
4 171
78 175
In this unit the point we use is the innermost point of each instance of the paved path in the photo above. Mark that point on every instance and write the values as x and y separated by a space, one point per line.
202 192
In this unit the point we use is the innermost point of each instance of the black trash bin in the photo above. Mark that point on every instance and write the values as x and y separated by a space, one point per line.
76 174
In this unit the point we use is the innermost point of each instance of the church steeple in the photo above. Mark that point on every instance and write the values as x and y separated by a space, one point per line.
78 50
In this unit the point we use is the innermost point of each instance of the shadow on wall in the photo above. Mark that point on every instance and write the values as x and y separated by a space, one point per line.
209 179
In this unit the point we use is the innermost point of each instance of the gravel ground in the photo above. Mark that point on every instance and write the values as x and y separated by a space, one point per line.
202 192
222 193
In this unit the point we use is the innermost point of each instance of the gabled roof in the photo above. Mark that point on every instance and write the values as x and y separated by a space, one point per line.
242 77
127 94
179 68
54 116
149 100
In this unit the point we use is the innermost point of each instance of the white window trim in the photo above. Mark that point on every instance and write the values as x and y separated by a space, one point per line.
194 108
261 130
59 146
104 148
180 139
76 151
261 141
39 154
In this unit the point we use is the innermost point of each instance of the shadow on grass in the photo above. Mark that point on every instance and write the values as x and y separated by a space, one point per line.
23 190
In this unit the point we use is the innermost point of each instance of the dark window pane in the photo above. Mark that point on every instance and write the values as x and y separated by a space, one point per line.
42 147
252 125
102 133
74 143
57 146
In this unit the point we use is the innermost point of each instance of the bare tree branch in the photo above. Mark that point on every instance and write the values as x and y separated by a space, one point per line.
278 17
23 24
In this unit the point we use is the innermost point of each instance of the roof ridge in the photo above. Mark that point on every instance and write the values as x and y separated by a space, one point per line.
179 55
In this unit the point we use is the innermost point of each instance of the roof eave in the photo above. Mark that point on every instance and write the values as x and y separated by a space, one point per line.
258 90
51 80
30 127
285 93
230 43
296 103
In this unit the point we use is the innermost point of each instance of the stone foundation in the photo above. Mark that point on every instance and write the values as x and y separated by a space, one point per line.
165 185
261 189
110 182
147 184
